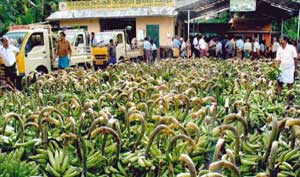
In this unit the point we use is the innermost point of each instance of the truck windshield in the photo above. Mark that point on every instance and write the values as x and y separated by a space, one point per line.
70 36
16 38
103 38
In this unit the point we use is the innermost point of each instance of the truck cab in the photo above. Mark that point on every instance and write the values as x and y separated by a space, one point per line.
35 45
123 49
37 48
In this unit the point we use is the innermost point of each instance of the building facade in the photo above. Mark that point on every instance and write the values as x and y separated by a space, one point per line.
156 19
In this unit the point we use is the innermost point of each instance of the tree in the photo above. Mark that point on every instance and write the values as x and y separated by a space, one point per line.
24 12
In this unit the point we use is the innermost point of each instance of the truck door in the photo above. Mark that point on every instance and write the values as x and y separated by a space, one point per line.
37 53
80 49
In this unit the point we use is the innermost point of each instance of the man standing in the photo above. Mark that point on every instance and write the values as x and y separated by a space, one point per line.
287 58
62 51
219 50
183 52
203 47
196 46
240 47
112 52
8 54
93 40
247 48
176 47
212 47
147 50
229 46
263 48
256 49
275 47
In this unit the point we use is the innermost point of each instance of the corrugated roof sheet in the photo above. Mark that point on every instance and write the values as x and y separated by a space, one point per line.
112 13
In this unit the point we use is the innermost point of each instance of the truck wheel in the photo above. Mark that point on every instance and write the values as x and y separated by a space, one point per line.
82 65
42 70
140 59
121 59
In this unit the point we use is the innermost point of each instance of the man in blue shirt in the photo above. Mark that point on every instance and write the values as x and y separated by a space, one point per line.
176 43
176 47
147 49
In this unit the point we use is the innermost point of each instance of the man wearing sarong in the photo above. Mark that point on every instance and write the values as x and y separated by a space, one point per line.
63 51
287 59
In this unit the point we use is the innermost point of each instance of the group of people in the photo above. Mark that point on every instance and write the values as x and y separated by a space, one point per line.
181 48
150 50
225 48
221 47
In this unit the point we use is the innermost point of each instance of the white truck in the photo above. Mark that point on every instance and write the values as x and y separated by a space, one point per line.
100 50
37 48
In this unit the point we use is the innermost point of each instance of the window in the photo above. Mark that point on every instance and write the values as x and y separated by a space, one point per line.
16 38
36 39
119 39
79 40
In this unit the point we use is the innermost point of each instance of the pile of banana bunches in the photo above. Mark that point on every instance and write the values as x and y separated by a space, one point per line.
176 118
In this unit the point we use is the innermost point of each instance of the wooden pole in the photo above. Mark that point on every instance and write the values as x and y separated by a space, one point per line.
282 26
298 31
189 18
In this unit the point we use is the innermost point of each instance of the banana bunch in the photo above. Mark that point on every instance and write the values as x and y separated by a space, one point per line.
40 157
17 154
286 170
59 165
94 159
288 162
249 164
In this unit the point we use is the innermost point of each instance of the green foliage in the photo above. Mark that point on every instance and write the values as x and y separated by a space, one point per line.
290 27
13 167
24 12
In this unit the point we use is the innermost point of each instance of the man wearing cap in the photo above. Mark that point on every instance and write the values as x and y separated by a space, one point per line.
8 54
287 59
62 51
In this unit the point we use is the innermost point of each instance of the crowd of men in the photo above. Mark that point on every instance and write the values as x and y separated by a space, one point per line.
225 48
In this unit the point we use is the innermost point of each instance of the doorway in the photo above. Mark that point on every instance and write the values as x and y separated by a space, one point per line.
152 31
119 24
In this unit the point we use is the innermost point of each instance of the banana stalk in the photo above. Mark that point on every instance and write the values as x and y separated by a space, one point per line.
155 133
16 117
223 164
108 130
186 160
273 158
173 144
274 137
223 128
235 117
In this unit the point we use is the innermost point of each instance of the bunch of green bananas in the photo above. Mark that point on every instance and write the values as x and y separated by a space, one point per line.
59 164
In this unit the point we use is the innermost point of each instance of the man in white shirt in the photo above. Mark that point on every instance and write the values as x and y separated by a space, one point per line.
196 47
8 54
247 48
203 46
256 49
287 58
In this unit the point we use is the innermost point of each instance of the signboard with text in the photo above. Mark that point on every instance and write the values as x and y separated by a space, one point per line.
242 5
